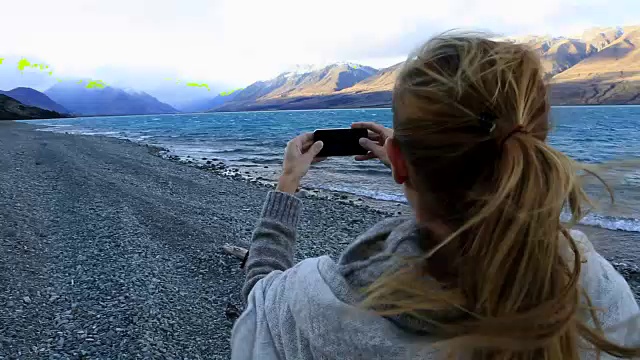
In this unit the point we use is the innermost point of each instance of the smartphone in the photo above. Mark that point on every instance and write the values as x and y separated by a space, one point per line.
340 142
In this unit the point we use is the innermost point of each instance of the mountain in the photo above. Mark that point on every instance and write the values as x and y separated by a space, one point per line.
609 76
325 81
210 103
559 54
601 37
301 83
600 66
106 101
179 95
32 97
382 81
12 109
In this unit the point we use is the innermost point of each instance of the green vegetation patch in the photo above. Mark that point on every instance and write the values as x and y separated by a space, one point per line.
227 93
96 84
203 85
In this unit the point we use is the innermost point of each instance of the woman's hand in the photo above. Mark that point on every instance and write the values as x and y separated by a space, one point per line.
378 136
300 153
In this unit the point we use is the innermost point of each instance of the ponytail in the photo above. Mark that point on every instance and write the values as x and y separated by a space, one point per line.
500 190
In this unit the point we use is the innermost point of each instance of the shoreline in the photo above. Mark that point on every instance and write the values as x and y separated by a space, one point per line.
333 175
628 265
599 236
74 116
107 249
389 207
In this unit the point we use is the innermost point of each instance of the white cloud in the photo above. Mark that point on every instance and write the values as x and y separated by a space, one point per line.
234 42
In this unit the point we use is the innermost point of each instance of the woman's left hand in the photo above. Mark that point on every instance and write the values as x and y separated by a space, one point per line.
300 153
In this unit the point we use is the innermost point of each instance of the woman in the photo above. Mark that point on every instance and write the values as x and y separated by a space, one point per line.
483 270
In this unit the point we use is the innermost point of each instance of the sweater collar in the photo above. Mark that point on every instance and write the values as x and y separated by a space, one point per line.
379 251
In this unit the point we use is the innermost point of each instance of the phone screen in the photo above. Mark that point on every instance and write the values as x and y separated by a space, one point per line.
340 142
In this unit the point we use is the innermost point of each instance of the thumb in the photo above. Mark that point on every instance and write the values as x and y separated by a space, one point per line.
370 145
315 149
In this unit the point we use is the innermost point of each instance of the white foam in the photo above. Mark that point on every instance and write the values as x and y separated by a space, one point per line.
601 221
632 178
366 193
608 222
612 223
60 129
95 133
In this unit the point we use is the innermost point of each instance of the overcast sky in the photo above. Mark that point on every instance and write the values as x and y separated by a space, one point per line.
235 42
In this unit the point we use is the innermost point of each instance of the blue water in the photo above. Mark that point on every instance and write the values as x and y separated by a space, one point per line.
255 141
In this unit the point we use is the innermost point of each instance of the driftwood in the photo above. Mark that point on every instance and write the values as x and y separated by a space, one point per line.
236 251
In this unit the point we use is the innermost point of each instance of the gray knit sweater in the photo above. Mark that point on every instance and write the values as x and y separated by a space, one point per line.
308 311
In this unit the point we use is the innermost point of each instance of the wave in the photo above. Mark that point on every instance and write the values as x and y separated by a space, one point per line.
227 151
258 160
632 178
60 128
372 194
608 222
601 221
96 133
369 171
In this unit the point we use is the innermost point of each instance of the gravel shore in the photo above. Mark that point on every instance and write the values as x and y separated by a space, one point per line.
109 252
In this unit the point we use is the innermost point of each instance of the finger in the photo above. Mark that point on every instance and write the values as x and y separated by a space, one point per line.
314 150
375 127
318 159
372 146
306 137
306 145
368 144
369 156
306 140
373 136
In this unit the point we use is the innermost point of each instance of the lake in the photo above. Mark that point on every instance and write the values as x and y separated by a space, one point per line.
254 142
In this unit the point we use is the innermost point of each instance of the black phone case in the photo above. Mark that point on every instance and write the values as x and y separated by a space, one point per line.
340 142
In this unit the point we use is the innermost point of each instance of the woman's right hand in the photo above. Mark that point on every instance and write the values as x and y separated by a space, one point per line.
378 136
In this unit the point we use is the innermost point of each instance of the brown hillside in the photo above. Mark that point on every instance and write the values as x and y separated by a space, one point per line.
383 81
326 81
599 37
600 67
621 59
563 54
610 76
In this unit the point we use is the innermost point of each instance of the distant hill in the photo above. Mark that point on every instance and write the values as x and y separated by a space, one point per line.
381 81
208 104
301 83
560 54
601 37
106 101
32 97
12 109
180 96
609 76
602 66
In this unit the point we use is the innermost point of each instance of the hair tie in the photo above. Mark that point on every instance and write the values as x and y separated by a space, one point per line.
517 129
487 121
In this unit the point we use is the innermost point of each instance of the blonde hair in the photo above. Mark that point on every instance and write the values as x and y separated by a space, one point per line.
471 116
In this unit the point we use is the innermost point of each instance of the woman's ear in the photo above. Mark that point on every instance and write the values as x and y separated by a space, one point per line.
399 166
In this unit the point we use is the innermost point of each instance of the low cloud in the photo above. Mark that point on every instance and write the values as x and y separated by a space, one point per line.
235 42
